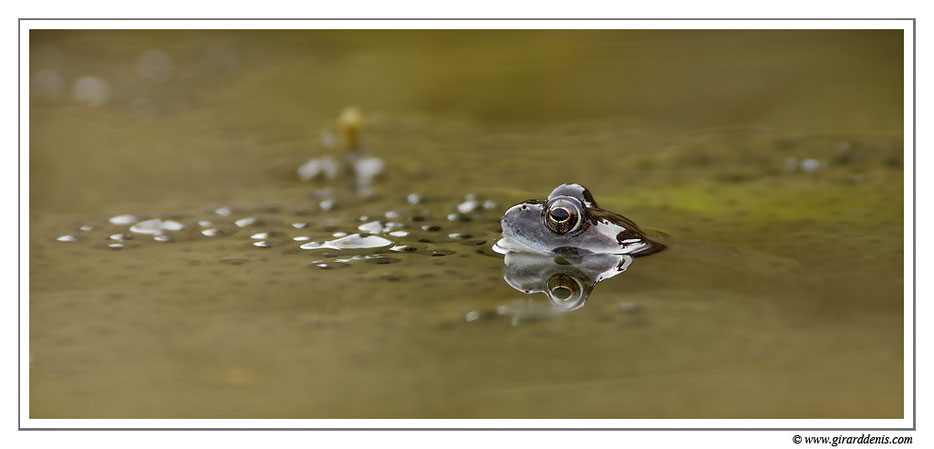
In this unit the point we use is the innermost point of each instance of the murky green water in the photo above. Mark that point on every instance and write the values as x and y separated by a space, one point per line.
773 159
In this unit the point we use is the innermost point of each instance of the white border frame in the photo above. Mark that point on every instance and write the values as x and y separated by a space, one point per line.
907 423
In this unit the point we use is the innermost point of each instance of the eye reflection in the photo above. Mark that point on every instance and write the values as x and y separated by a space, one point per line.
567 282
562 288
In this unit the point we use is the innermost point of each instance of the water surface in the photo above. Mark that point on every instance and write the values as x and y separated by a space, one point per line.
771 159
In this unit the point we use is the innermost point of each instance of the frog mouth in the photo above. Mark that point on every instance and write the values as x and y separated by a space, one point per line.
512 241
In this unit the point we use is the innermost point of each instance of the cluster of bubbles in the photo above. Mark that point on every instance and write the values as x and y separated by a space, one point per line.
395 231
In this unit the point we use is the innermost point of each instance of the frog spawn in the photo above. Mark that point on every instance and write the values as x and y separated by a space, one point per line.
333 239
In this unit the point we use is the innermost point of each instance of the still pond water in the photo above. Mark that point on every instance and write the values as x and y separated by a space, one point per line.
771 162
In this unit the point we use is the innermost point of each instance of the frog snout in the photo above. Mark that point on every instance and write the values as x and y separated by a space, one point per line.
518 217
509 221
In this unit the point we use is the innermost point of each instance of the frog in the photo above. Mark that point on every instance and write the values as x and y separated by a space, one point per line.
570 223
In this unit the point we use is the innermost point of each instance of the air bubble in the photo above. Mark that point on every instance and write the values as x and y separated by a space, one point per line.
467 206
155 226
372 227
353 241
122 219
244 222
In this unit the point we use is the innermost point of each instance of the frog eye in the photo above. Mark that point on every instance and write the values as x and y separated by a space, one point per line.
564 290
563 216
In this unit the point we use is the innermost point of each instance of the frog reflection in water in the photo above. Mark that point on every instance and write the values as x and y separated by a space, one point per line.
565 245
566 281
